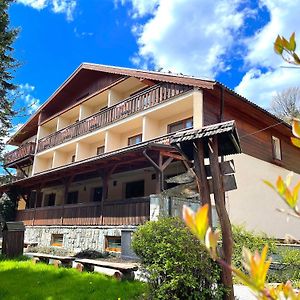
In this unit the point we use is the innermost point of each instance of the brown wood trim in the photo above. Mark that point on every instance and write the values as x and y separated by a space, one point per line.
83 100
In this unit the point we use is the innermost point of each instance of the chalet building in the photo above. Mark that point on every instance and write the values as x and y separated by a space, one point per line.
86 159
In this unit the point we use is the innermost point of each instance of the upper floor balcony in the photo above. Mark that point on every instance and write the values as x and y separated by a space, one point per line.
134 104
21 156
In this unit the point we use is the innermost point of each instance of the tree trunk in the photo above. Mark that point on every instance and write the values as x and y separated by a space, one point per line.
219 196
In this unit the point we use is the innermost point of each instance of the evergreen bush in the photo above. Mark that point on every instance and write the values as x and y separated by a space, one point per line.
177 265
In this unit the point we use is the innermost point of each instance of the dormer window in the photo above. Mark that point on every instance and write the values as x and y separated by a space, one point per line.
276 147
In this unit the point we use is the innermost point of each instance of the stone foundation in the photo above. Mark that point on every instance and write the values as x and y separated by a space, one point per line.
75 238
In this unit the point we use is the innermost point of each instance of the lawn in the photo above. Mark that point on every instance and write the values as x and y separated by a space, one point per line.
25 280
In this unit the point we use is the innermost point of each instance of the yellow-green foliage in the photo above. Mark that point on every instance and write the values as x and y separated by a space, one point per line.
27 281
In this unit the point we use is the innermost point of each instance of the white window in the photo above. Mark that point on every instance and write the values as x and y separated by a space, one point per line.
276 145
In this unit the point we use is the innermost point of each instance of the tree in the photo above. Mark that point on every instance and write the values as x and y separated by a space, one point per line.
7 65
286 104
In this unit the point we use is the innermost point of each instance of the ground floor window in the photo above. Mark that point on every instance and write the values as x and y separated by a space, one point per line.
113 243
97 195
50 199
57 240
72 197
135 189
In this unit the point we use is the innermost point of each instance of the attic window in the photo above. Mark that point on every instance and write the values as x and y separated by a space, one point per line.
276 147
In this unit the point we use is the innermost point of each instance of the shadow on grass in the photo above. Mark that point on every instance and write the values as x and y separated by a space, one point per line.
24 280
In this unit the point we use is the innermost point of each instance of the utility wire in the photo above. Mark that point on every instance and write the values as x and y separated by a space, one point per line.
255 132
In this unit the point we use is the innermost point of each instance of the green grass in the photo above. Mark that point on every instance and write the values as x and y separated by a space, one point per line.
25 280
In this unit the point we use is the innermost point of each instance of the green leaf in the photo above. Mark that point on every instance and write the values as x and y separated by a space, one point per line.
278 48
292 42
296 58
295 142
286 44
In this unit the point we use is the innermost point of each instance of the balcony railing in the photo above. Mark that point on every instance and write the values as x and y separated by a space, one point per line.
22 152
132 105
124 212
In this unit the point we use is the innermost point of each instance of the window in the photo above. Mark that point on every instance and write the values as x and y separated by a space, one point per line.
113 243
57 240
32 198
135 189
100 150
73 158
136 139
183 124
72 197
276 146
50 199
97 196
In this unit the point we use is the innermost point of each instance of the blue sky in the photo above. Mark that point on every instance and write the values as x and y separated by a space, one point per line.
231 41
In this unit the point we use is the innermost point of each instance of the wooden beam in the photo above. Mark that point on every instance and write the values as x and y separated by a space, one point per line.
170 154
219 196
201 175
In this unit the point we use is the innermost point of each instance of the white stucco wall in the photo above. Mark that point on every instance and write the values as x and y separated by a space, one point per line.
254 204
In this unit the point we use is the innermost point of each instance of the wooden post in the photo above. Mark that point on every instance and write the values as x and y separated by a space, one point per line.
105 176
67 183
219 196
202 176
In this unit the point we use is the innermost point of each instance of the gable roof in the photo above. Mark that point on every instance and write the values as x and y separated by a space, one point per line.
79 74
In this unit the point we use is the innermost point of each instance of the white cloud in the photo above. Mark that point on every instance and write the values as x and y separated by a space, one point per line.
140 8
262 86
66 7
192 36
30 102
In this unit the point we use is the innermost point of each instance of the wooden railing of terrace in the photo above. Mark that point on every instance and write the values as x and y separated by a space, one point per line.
128 107
22 152
133 211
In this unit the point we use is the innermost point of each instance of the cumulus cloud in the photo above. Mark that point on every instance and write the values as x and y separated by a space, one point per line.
29 101
203 38
262 86
66 7
192 37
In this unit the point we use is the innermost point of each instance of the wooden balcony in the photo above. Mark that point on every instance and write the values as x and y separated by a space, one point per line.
20 155
134 211
139 102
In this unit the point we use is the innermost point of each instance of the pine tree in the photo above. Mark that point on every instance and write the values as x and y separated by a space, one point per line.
7 66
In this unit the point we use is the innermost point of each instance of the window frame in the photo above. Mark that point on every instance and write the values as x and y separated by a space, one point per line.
135 182
54 237
140 135
113 249
183 122
276 148
73 193
100 150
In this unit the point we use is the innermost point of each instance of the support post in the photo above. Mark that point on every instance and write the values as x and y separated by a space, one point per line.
202 176
219 196
67 183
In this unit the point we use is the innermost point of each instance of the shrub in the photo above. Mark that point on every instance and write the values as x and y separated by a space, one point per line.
250 240
177 264
288 267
